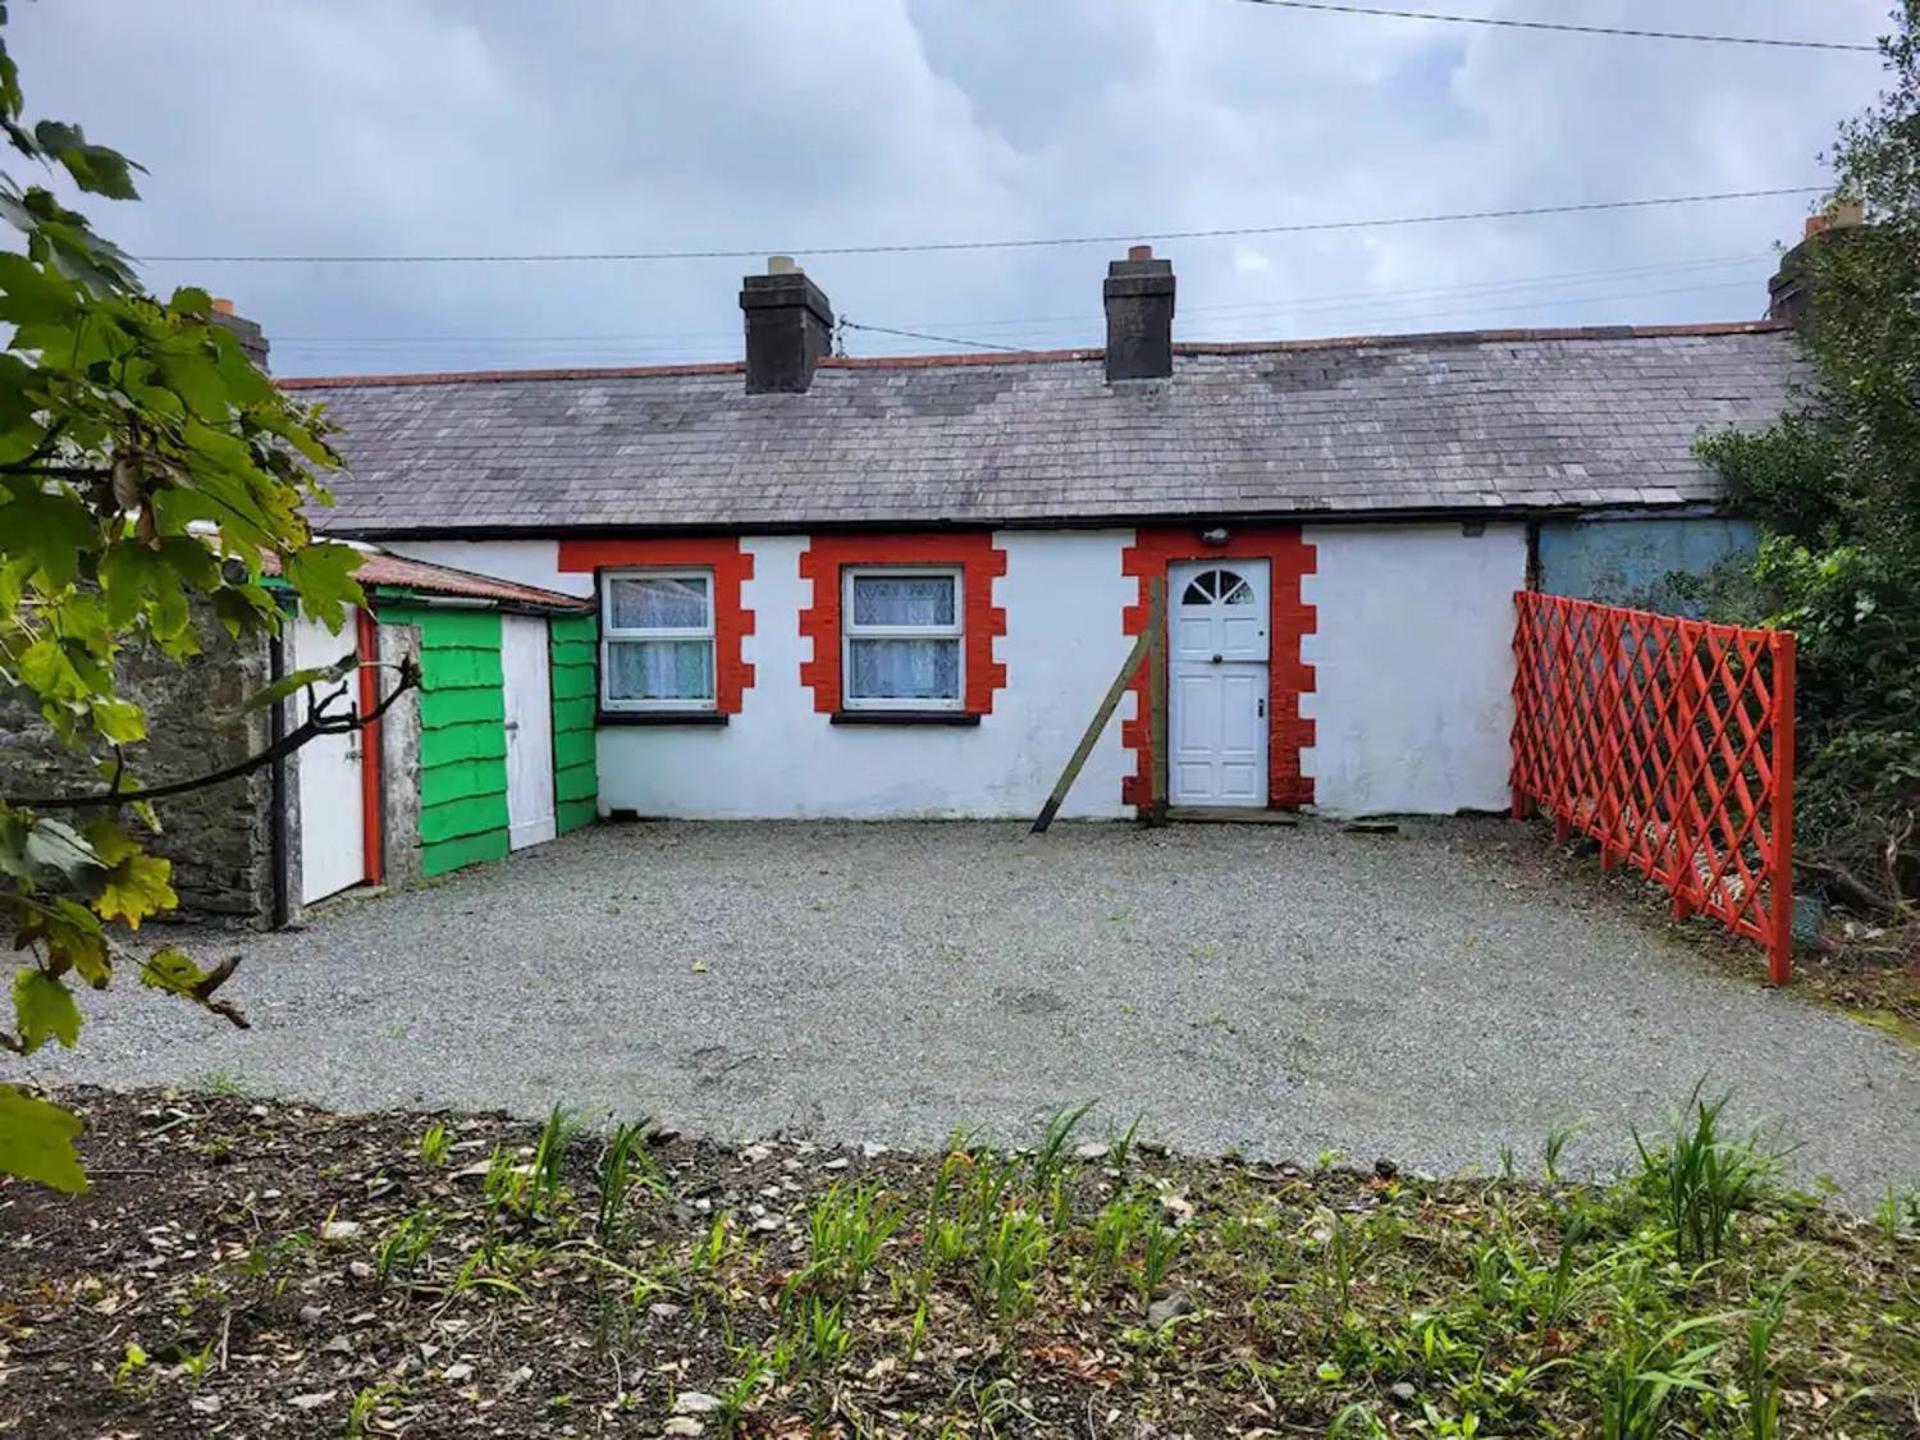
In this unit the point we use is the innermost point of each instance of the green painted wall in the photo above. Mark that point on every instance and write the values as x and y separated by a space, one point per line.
463 742
574 641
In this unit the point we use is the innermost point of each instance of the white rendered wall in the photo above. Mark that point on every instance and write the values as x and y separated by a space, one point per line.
530 562
1064 596
1412 705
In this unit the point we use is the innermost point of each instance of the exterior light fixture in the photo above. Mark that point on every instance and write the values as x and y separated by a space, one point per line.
1218 535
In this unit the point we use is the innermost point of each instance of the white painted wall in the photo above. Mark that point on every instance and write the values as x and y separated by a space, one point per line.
1063 593
1414 661
530 562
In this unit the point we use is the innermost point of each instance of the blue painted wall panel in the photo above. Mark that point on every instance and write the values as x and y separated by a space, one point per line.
1633 561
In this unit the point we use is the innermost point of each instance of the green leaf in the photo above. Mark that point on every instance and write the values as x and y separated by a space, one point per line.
299 680
135 884
43 1007
322 573
36 1142
173 971
120 721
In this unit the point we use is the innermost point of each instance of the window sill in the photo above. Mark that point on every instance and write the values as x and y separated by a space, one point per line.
905 717
660 717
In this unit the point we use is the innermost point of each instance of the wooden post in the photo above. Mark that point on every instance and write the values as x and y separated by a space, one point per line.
1158 737
1780 882
1156 621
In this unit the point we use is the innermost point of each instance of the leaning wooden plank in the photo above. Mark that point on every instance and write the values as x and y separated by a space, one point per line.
1156 619
1159 732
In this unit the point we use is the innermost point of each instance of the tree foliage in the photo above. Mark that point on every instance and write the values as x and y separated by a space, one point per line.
1836 485
148 472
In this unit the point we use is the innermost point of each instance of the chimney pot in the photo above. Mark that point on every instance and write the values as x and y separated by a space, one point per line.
1139 299
789 324
252 338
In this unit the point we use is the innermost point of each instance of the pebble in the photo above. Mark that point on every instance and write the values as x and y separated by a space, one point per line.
1402 1390
1091 1150
339 1345
311 1314
754 1154
204 1404
457 1372
1162 1312
360 1270
339 1229
873 1149
683 1425
694 1402
839 1162
666 1310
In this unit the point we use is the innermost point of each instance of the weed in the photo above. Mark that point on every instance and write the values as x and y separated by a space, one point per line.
407 1243
845 1233
1120 1147
550 1157
1011 1253
1757 1370
917 1336
194 1364
1115 1229
1559 1135
1635 1386
366 1404
1702 1178
616 1175
755 1369
1051 1158
1157 1254
1358 1422
223 1082
133 1362
1507 1167
434 1145
1898 1211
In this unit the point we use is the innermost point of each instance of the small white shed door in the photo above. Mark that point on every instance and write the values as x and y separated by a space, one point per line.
1217 654
529 700
333 839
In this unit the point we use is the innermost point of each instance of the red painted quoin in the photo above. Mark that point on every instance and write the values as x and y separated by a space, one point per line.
980 562
731 566
1288 676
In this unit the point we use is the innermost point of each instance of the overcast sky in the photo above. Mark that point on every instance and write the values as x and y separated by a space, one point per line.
430 126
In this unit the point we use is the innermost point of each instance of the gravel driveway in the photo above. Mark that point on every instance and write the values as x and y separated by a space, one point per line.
1287 991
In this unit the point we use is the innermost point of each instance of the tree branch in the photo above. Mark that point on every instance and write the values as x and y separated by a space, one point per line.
316 723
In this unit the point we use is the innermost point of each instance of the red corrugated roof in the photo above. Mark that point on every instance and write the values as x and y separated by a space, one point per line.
398 572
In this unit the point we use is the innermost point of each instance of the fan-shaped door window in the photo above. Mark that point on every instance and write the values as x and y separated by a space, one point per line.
1217 587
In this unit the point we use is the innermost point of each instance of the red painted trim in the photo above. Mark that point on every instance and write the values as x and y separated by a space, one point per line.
980 561
367 642
1288 732
732 567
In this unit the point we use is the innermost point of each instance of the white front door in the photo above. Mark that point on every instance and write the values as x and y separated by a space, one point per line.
333 839
1217 650
529 700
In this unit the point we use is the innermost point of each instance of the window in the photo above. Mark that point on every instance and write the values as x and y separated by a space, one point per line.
656 640
1222 586
902 631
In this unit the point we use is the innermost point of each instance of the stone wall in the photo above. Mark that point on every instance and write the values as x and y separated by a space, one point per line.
217 838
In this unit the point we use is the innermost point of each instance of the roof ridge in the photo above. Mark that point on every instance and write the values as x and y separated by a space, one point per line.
1705 329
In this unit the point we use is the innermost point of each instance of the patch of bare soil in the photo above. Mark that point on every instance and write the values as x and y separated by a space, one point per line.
252 1269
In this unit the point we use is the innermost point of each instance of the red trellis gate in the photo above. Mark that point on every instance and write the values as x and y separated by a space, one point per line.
1670 742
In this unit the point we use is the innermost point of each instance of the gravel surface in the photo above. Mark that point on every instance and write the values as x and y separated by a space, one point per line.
1425 996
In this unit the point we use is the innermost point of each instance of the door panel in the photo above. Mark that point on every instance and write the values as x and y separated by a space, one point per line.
333 841
1217 682
529 706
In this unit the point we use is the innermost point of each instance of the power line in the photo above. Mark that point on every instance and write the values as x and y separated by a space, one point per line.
921 335
1308 227
651 342
1610 30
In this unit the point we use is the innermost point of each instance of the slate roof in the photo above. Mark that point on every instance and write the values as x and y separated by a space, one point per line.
1475 423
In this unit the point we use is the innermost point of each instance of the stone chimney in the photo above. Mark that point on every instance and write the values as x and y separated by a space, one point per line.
789 328
1790 292
1139 294
252 338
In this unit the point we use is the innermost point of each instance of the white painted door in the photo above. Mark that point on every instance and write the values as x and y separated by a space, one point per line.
1217 653
333 839
523 657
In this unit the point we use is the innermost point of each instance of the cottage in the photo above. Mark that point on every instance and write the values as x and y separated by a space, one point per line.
825 586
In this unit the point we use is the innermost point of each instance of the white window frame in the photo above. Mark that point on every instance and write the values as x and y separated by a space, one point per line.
850 632
611 635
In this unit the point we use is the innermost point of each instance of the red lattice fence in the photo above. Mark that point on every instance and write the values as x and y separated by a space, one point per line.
1670 742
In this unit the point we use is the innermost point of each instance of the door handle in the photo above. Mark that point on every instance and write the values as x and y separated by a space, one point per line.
1219 659
512 726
